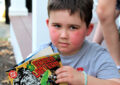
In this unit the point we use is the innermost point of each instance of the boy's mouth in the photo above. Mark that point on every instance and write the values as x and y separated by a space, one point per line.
63 44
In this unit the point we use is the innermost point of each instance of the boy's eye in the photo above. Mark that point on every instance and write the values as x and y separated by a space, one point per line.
57 26
73 27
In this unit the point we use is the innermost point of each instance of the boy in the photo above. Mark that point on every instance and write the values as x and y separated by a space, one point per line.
69 24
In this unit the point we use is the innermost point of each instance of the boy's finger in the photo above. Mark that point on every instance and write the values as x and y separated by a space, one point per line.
63 80
62 75
60 70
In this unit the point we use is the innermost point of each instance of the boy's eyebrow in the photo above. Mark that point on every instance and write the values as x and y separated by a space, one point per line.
74 25
67 24
55 23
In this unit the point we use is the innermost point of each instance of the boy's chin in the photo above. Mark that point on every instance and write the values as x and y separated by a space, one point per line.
67 52
64 52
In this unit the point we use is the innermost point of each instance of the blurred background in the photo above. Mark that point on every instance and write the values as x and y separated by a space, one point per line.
6 51
7 57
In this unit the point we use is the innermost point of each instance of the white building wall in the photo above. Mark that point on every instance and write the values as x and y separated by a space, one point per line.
18 8
40 32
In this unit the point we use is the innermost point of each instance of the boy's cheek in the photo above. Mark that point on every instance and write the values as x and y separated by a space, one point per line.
53 35
77 39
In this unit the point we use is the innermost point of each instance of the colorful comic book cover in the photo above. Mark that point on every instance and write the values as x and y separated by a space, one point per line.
38 71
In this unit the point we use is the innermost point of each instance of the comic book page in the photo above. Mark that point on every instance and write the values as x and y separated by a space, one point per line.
38 53
38 71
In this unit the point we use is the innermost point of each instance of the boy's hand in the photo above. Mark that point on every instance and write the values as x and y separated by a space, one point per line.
67 74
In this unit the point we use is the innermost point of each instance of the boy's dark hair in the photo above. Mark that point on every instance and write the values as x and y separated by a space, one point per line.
84 7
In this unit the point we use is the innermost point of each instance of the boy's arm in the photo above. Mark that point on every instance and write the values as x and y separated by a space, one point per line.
71 76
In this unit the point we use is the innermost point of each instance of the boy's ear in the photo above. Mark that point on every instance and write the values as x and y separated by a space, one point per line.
47 21
89 29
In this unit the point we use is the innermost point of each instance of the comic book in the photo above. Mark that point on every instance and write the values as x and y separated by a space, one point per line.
36 71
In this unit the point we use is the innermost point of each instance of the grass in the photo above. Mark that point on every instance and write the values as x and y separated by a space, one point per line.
4 39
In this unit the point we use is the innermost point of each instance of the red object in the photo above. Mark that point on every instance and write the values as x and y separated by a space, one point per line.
13 74
80 69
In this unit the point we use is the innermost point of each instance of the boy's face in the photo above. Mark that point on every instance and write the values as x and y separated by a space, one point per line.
67 31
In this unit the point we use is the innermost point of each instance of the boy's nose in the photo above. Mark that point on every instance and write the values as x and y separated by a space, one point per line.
64 34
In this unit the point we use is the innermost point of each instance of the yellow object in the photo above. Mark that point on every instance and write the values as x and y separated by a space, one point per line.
3 14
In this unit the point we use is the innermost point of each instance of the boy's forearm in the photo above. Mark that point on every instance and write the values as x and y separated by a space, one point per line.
96 81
